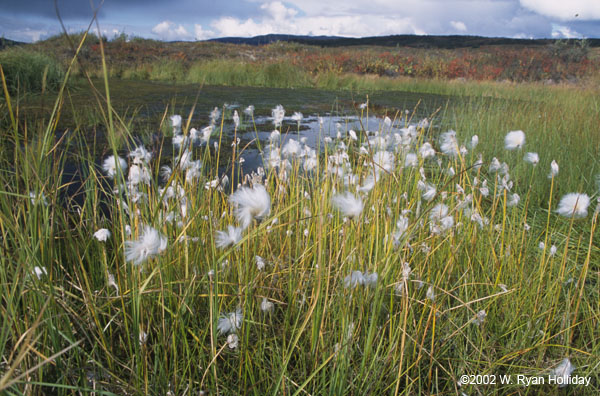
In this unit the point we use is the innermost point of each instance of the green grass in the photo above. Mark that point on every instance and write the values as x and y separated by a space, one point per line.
30 71
321 338
221 72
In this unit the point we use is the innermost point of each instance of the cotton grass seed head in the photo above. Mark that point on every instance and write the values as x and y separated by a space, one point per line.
150 243
102 234
250 203
573 205
112 163
266 305
348 204
39 271
514 140
277 114
233 341
448 144
230 322
230 237
553 169
564 370
532 158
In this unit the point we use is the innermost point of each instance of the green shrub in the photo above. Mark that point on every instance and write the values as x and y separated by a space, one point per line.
29 71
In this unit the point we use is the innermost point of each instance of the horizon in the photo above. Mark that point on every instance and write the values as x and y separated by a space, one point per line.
303 36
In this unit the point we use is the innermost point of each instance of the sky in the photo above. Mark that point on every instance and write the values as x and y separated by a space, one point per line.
190 20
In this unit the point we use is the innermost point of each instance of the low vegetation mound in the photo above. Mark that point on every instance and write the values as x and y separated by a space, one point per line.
30 71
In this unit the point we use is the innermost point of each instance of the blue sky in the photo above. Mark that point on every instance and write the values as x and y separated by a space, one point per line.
31 20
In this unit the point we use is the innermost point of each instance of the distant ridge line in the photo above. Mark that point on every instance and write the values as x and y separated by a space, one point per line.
405 40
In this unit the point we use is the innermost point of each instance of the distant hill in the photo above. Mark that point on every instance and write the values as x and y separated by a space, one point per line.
5 43
272 38
406 40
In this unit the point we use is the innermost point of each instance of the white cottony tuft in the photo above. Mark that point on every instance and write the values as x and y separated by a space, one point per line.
236 119
297 117
358 278
140 155
495 165
440 220
370 279
354 279
102 234
553 169
214 115
513 200
474 141
480 317
176 123
35 198
150 244
266 305
260 263
277 114
430 293
39 271
111 282
448 143
249 111
110 165
251 203
292 148
274 136
564 370
532 158
230 237
426 151
348 204
514 140
428 189
139 174
384 160
411 160
233 341
231 322
574 205
206 132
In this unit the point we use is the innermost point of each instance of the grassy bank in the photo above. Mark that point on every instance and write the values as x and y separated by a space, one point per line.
555 61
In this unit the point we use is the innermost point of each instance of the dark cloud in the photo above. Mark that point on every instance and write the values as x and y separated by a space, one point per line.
157 9
69 9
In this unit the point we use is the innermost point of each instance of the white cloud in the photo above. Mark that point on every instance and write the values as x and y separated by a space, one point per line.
284 20
567 10
459 26
201 34
167 30
278 11
559 31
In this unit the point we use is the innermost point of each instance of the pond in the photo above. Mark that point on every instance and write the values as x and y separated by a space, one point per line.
144 104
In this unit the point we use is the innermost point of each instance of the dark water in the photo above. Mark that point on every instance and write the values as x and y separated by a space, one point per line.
144 104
